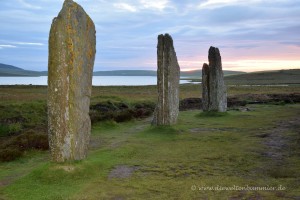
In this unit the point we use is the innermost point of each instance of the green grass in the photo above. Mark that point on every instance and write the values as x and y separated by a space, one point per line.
291 76
212 114
275 77
201 150
32 94
28 114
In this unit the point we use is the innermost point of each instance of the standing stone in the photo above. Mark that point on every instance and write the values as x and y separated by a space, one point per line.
72 48
168 73
214 95
205 88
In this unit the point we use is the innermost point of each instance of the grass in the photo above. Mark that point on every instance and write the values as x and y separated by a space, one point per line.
212 114
275 77
201 150
290 76
23 126
33 94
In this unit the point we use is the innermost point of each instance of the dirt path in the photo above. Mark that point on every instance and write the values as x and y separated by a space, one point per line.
279 143
127 134
282 142
96 141
124 171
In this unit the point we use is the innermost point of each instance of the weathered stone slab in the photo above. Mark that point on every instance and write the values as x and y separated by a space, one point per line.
72 48
214 89
205 87
168 75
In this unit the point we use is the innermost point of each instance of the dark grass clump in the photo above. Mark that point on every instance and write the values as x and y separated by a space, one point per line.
17 118
160 133
142 113
212 114
120 111
10 154
31 140
97 116
123 116
162 130
23 127
279 103
4 130
281 172
10 129
14 147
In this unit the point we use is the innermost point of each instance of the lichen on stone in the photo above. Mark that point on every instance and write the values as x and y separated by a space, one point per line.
70 69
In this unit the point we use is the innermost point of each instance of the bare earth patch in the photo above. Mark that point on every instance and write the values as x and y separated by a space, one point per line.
96 142
9 179
122 171
280 146
278 142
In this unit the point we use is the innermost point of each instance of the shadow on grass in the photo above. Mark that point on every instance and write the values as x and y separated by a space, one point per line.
105 125
160 132
281 172
212 114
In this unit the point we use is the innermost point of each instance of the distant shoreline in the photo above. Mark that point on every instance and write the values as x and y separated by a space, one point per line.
97 80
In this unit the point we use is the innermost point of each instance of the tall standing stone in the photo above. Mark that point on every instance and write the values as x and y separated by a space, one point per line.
214 95
72 48
168 73
205 87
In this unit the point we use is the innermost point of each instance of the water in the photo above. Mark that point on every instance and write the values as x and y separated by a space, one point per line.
97 80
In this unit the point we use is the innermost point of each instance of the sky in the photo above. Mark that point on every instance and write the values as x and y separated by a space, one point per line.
252 35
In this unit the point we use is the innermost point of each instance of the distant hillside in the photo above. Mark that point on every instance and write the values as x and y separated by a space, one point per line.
9 67
126 73
9 70
193 73
198 73
291 76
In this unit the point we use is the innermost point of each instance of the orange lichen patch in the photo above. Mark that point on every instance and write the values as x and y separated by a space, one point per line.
70 44
69 28
90 23
90 52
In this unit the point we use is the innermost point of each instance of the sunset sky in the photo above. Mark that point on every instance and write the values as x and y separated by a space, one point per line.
252 35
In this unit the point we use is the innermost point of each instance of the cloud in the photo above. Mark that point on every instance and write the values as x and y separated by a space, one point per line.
127 30
28 5
141 5
125 7
260 65
126 48
7 46
14 44
212 4
291 43
154 4
243 46
28 43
